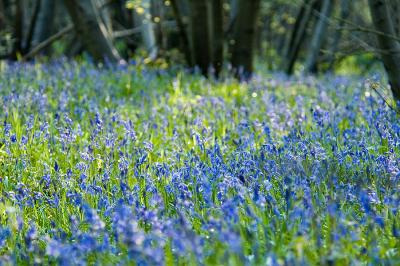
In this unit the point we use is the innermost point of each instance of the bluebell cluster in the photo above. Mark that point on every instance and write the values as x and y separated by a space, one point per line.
123 164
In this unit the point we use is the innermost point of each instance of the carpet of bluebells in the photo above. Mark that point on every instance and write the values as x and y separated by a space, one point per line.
128 165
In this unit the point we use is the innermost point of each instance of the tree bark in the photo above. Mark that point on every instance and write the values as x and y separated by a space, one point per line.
32 25
218 35
159 29
318 37
93 35
103 6
44 29
344 14
123 18
47 42
390 48
148 35
182 33
201 34
298 35
18 30
233 11
244 38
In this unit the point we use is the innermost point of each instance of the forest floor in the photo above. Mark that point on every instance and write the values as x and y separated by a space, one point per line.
109 165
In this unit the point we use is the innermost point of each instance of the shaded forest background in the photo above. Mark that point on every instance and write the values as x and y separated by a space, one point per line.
302 36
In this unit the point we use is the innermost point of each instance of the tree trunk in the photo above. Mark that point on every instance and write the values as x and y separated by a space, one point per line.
182 32
148 35
344 14
92 33
318 37
233 11
32 25
105 14
390 48
44 29
160 31
244 38
123 18
201 34
18 30
298 34
218 35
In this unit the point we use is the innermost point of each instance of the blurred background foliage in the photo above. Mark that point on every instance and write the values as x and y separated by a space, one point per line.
290 36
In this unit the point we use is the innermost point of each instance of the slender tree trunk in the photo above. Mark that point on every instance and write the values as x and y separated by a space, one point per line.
18 29
182 32
318 37
32 25
201 34
295 31
390 48
233 11
218 35
244 38
148 35
94 36
44 26
161 35
105 14
344 14
298 35
123 18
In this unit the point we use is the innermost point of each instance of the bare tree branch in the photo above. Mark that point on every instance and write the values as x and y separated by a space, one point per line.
47 42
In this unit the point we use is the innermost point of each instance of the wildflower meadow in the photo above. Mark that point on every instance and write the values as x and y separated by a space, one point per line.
128 165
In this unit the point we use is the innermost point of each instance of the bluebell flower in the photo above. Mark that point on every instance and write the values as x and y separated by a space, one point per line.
5 233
